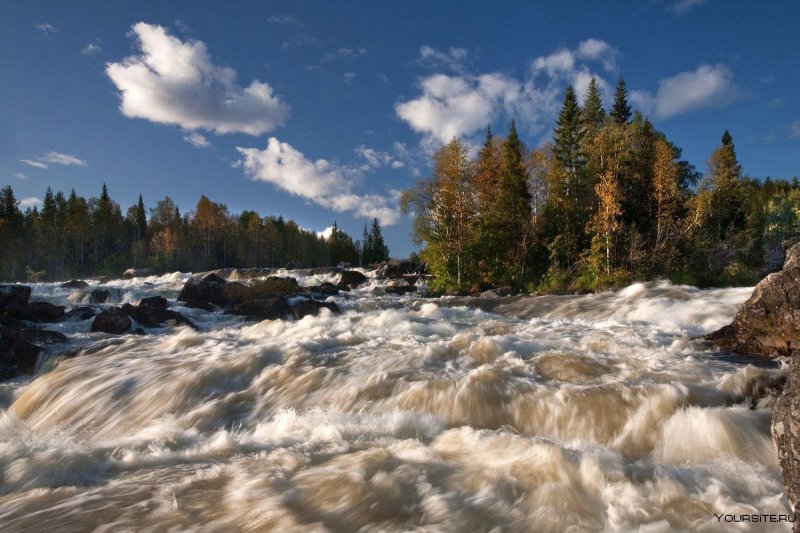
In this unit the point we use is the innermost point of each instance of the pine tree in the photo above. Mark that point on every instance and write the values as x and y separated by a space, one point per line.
141 220
379 250
621 113
593 112
571 189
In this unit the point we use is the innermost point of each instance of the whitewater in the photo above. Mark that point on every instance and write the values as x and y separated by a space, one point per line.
404 413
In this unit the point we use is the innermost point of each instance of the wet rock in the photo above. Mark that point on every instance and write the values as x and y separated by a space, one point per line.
201 293
36 312
395 269
352 278
326 289
152 312
303 308
74 284
496 293
20 348
768 324
271 287
99 296
81 313
263 309
14 295
112 320
786 433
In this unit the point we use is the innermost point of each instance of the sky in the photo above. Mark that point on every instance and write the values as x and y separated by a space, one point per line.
325 111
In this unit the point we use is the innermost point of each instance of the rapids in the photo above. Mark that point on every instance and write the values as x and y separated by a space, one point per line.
548 413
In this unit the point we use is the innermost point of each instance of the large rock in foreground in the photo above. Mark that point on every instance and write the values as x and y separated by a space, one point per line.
14 296
786 433
113 321
768 324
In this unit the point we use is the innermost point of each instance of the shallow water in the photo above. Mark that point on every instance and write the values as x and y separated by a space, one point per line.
579 413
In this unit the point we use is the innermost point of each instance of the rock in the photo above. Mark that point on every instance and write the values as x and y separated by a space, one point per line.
112 320
74 284
81 313
14 295
136 273
768 324
200 293
496 293
786 433
352 278
271 287
326 289
152 312
395 269
20 348
99 296
264 309
303 308
36 312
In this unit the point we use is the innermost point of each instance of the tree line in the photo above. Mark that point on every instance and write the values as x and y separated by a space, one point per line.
70 236
608 201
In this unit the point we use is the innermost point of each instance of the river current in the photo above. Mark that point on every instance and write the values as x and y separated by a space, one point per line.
549 413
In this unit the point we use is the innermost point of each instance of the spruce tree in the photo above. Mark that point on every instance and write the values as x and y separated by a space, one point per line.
379 250
141 220
593 112
621 113
568 133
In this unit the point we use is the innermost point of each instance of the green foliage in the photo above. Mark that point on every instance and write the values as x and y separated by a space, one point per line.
621 112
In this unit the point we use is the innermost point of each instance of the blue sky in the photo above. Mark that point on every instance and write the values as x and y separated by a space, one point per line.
323 111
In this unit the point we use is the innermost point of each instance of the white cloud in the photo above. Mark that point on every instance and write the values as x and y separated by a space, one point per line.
20 176
62 159
794 129
322 182
461 105
684 6
174 82
91 49
301 40
46 27
453 58
34 163
343 53
30 201
284 20
707 86
326 233
374 159
196 140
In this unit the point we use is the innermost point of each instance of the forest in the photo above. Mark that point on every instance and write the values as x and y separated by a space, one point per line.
608 201
70 236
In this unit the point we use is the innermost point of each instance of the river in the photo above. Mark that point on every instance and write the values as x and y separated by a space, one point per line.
548 413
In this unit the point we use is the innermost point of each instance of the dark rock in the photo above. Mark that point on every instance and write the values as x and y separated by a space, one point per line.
152 312
99 296
74 284
352 278
395 269
496 293
36 312
20 348
14 295
768 323
303 308
200 293
786 434
82 313
112 320
264 309
154 302
271 287
139 331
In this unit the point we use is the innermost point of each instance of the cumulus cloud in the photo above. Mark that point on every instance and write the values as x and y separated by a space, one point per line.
452 59
46 27
460 105
681 7
30 202
196 140
326 233
174 82
91 49
34 163
20 176
323 182
374 159
707 86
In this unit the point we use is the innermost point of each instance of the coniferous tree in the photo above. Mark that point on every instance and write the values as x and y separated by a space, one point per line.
593 112
621 112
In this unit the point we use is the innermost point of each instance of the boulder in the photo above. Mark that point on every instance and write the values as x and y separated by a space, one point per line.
36 312
112 320
99 296
74 284
14 295
303 308
768 324
20 348
136 273
352 278
81 313
201 293
786 434
263 309
395 269
152 312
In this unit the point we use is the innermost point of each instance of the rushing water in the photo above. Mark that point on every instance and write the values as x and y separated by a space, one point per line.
577 413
